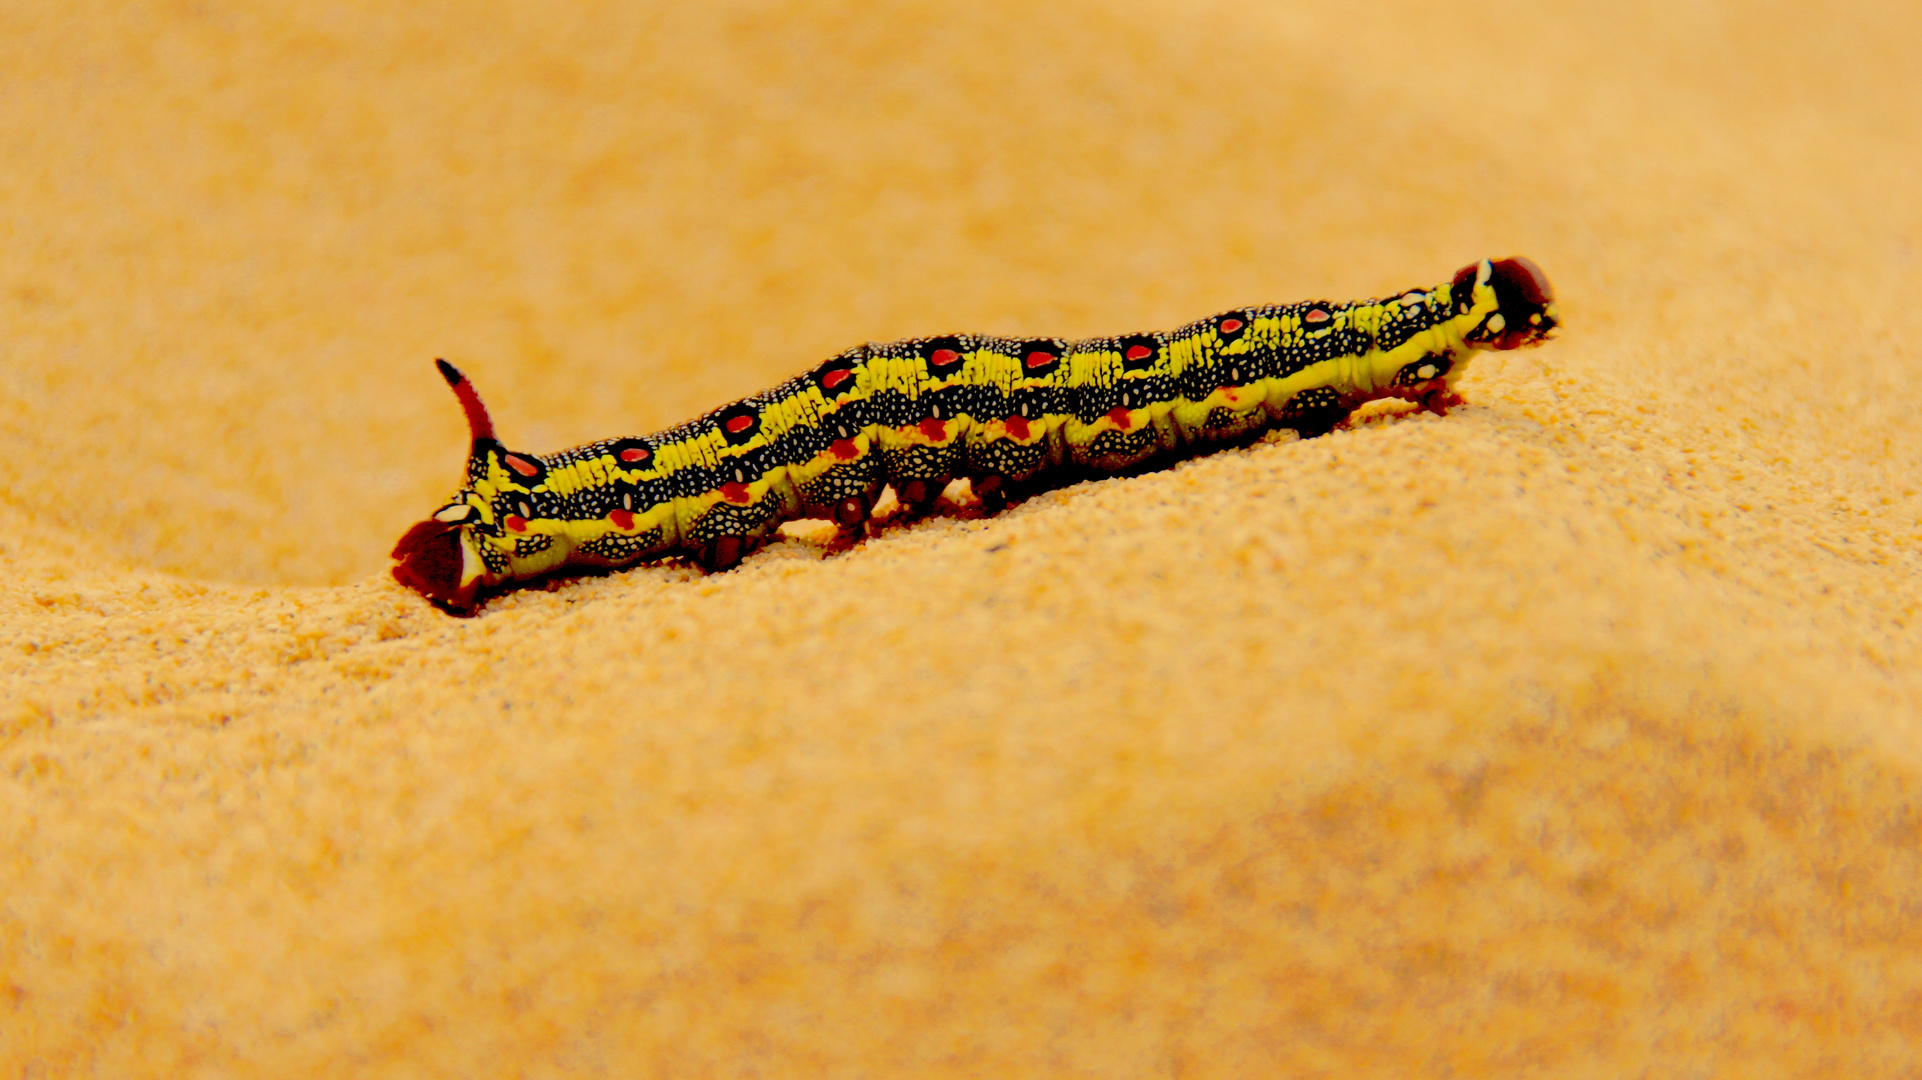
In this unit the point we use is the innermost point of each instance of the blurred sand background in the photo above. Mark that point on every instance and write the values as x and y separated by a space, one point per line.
1573 734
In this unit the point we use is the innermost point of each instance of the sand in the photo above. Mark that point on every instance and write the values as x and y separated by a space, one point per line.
1576 733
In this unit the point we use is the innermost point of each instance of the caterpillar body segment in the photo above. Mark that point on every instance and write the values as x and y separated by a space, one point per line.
1010 414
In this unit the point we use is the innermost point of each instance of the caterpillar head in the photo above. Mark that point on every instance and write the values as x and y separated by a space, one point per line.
471 544
1519 301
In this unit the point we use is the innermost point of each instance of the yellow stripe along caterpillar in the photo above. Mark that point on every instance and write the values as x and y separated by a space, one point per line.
1012 415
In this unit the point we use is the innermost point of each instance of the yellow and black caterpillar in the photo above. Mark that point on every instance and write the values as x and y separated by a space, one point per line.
1010 414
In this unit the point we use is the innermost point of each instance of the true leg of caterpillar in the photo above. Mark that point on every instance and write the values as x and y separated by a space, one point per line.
916 497
919 473
1315 412
1314 423
993 496
721 553
1439 400
851 515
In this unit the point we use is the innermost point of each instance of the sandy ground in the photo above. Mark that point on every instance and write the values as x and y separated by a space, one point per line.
1574 734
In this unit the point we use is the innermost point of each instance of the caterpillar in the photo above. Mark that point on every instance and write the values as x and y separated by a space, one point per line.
1012 415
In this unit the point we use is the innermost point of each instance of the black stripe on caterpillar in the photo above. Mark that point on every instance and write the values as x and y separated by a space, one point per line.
1012 415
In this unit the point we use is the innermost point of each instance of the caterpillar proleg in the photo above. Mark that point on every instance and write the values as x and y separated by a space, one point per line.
1012 415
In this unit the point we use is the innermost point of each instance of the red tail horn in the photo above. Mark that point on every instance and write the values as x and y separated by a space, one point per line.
478 422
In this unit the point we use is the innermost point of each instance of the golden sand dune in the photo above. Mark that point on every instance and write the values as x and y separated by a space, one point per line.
1574 733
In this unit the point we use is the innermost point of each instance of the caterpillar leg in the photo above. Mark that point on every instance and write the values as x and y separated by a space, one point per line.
917 496
721 553
1313 413
1316 424
845 493
1439 400
997 492
729 532
851 514
919 474
992 491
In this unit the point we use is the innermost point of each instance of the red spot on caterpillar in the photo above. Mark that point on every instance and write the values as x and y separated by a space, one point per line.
935 430
836 377
844 449
523 466
737 424
1038 358
1229 326
1315 316
734 493
1140 352
633 454
515 523
1017 426
621 519
1121 418
944 357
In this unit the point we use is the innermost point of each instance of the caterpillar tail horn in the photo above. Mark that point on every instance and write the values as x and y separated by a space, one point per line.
431 557
479 424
